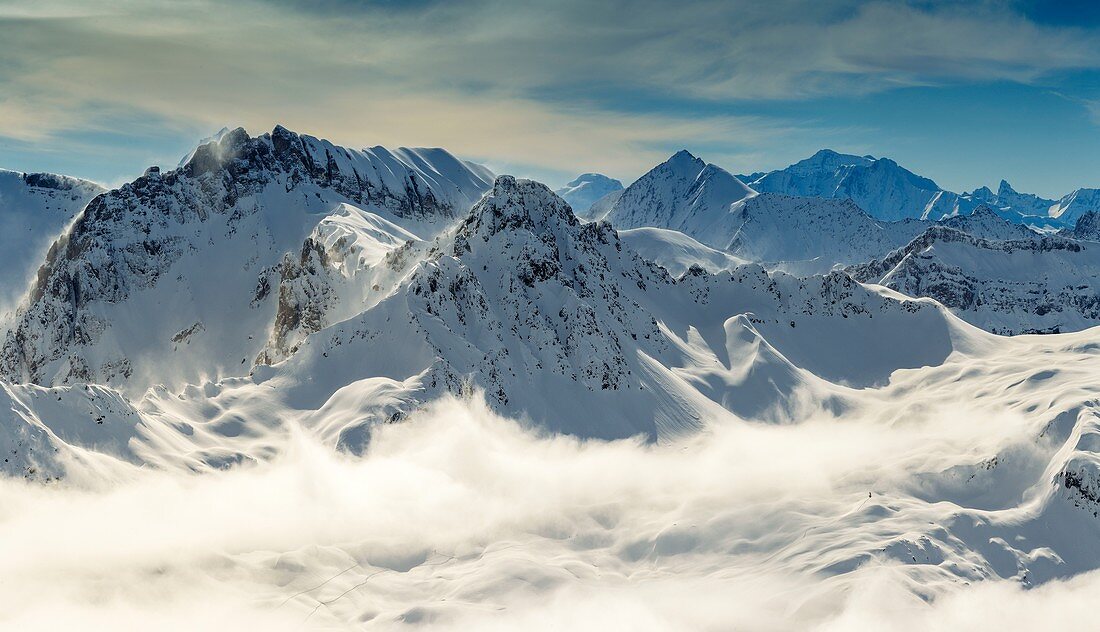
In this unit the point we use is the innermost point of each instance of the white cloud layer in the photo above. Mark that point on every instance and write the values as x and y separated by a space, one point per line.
461 520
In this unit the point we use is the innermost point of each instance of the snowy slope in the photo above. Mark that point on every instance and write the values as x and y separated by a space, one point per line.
805 235
175 277
34 209
676 252
1073 205
601 207
1038 284
683 194
585 189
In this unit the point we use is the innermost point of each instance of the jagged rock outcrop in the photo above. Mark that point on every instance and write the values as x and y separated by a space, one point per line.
194 245
551 317
1041 284
1087 227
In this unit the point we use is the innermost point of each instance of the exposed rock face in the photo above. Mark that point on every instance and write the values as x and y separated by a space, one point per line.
548 316
216 223
34 209
1087 227
1051 286
307 294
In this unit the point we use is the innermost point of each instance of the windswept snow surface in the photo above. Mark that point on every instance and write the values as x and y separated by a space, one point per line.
677 252
959 495
461 407
34 210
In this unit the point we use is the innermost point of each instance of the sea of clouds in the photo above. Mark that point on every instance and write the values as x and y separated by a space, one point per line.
458 519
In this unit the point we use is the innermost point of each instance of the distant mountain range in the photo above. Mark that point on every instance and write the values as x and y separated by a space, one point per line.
887 191
809 222
586 188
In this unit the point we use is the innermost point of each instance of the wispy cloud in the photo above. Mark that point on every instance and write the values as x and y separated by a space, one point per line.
485 77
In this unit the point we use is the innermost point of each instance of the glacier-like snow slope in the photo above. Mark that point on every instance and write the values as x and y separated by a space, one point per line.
1074 205
184 275
34 210
585 189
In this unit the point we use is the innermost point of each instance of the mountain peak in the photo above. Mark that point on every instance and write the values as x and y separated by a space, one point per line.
590 178
586 188
684 159
984 210
517 204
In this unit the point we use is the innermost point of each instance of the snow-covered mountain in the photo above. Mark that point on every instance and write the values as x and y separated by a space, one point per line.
176 276
1036 284
683 194
891 444
996 274
880 186
1073 205
805 235
813 235
890 192
798 234
34 209
551 318
1008 199
583 191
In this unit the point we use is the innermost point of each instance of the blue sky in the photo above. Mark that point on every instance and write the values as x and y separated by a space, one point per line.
966 93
